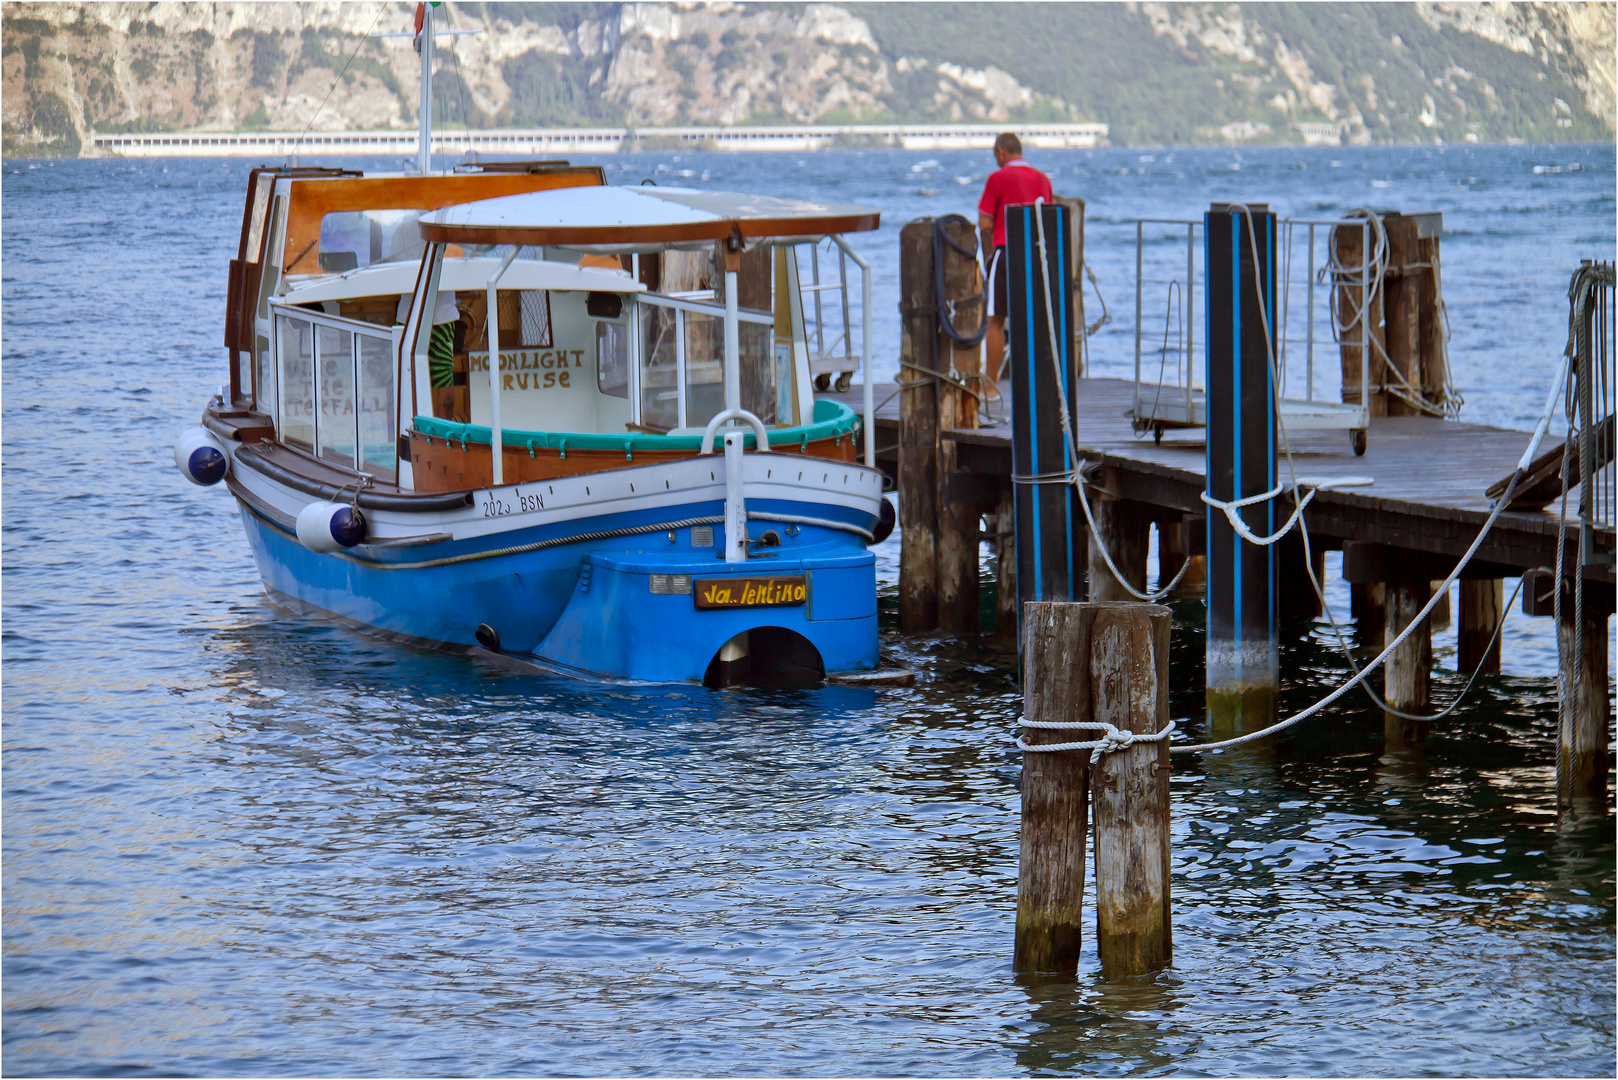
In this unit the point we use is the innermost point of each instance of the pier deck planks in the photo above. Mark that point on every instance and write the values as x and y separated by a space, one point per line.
1429 474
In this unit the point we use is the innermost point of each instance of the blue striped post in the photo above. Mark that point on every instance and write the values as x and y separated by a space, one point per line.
1243 676
1051 544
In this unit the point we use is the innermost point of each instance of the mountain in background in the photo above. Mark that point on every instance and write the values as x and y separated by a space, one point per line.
1157 73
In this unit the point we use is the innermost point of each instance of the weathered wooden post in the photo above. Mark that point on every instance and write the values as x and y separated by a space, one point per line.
1353 255
957 548
1055 789
1402 314
1243 677
1297 598
1050 529
1582 722
1005 562
918 432
1482 605
1129 676
1125 529
1407 675
1101 663
1430 301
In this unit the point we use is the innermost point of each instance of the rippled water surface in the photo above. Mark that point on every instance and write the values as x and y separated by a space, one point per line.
238 841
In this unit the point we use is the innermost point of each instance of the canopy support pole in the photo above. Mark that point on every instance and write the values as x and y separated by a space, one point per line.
865 349
491 319
733 346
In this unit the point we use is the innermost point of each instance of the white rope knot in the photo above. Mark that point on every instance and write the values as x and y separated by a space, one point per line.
1111 741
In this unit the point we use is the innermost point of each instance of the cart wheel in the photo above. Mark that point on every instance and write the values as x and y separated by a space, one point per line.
822 382
844 381
1356 439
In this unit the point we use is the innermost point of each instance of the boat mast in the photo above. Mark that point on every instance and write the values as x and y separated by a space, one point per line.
424 46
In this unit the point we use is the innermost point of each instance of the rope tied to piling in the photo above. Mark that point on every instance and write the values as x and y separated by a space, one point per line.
1113 738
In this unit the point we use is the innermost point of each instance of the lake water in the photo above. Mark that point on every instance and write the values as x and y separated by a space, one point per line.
240 842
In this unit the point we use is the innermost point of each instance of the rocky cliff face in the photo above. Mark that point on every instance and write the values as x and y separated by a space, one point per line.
1156 72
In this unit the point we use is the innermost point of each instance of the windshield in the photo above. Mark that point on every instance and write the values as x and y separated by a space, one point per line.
358 238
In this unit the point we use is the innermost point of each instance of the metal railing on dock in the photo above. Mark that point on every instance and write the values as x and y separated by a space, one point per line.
1308 319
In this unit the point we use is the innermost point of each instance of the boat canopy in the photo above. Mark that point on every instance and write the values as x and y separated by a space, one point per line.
464 274
629 218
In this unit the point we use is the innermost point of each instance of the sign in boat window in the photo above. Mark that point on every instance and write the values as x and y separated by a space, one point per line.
295 343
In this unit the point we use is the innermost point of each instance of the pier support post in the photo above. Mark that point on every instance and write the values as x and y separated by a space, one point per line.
1055 790
1407 674
1179 540
1352 254
1005 561
918 433
1243 677
1582 721
1297 599
1129 676
1125 529
1050 527
957 548
1482 606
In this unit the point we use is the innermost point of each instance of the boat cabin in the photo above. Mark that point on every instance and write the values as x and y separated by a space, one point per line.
626 322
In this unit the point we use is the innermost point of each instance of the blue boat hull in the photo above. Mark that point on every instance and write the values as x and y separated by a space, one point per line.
605 622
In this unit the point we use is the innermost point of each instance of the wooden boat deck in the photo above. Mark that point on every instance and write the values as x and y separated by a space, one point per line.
1428 475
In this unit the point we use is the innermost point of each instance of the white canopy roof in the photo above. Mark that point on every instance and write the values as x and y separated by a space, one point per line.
639 216
398 278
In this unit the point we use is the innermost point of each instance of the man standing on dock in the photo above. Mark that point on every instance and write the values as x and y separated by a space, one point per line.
1014 182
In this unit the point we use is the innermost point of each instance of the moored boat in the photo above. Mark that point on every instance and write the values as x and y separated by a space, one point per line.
649 490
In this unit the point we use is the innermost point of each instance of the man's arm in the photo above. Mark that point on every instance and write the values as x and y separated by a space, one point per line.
985 233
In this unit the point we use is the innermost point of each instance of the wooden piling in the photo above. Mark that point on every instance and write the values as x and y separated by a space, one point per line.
1055 790
1582 722
918 432
1243 677
1005 561
1296 597
1429 299
1351 254
1402 314
1124 528
1106 663
1481 607
1050 527
956 551
1129 675
1407 674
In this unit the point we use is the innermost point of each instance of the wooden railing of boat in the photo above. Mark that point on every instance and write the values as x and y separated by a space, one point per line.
447 464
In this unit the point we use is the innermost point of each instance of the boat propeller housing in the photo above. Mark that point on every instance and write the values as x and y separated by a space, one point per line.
330 526
201 456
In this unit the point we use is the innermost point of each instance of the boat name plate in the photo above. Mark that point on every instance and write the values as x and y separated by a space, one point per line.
781 590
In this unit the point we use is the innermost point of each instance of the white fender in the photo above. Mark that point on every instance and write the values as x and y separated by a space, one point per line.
330 526
201 456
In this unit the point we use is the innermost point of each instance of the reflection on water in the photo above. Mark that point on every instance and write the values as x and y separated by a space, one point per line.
242 842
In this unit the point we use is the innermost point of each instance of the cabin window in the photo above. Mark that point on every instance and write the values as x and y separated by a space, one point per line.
534 306
660 373
376 404
295 339
682 378
353 239
336 395
612 359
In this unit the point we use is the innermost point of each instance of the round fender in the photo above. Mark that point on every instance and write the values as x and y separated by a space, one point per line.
330 526
201 456
886 520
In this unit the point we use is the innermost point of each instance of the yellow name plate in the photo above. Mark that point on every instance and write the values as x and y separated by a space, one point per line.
732 592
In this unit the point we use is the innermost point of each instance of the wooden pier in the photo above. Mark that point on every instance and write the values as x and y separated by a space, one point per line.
1407 528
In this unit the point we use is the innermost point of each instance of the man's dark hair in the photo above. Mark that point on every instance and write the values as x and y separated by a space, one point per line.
1009 143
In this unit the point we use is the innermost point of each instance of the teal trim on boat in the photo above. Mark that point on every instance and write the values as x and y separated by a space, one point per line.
833 419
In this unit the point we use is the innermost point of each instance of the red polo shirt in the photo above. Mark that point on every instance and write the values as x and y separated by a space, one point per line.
1018 182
